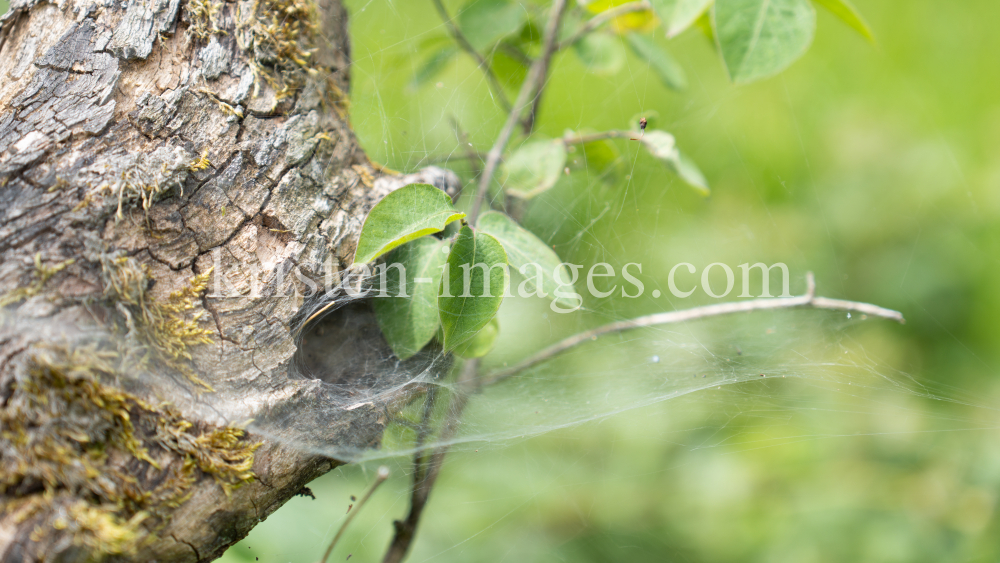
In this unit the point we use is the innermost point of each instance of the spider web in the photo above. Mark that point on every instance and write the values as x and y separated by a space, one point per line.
683 402
644 215
733 384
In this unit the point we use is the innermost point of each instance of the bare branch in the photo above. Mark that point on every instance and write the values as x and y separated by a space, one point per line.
591 24
673 317
463 42
528 124
470 382
535 77
590 138
426 471
380 477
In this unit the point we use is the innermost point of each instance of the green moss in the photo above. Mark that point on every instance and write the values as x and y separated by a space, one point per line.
75 453
202 17
281 34
101 531
161 331
202 162
41 274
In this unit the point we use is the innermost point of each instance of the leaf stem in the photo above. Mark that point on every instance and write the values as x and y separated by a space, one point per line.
809 299
536 76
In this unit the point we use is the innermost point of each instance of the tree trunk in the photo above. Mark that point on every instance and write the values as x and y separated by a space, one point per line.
176 177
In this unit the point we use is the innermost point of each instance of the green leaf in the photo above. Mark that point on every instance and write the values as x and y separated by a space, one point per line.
465 304
404 215
663 64
759 38
523 248
433 65
850 15
602 160
531 34
704 25
534 167
480 344
663 146
642 21
408 323
683 14
484 22
690 173
600 53
660 144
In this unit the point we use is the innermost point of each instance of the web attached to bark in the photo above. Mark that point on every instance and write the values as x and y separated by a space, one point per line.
588 217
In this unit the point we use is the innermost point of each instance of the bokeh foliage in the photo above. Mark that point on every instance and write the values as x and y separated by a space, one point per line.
874 166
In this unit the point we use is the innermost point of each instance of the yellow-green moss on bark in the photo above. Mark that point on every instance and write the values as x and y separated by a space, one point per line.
41 274
160 332
97 464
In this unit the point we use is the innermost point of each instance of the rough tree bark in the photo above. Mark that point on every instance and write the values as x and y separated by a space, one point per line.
148 147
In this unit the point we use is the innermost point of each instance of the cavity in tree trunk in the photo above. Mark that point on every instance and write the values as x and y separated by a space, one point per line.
175 179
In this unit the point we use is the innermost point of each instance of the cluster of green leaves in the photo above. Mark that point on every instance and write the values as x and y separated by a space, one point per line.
755 38
449 286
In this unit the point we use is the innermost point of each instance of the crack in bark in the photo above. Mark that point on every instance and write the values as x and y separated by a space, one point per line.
197 556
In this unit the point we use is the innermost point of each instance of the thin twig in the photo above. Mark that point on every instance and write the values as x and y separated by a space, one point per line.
535 77
406 529
423 431
427 474
807 300
603 18
380 477
463 42
600 19
591 137
528 123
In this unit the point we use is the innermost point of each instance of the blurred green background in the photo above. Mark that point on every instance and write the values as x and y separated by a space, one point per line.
876 167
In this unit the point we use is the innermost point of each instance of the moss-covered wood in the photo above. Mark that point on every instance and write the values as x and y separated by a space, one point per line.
144 147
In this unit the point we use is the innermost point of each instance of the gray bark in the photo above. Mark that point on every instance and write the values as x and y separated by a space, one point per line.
142 144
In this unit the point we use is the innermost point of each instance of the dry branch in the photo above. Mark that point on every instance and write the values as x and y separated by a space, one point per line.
809 299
